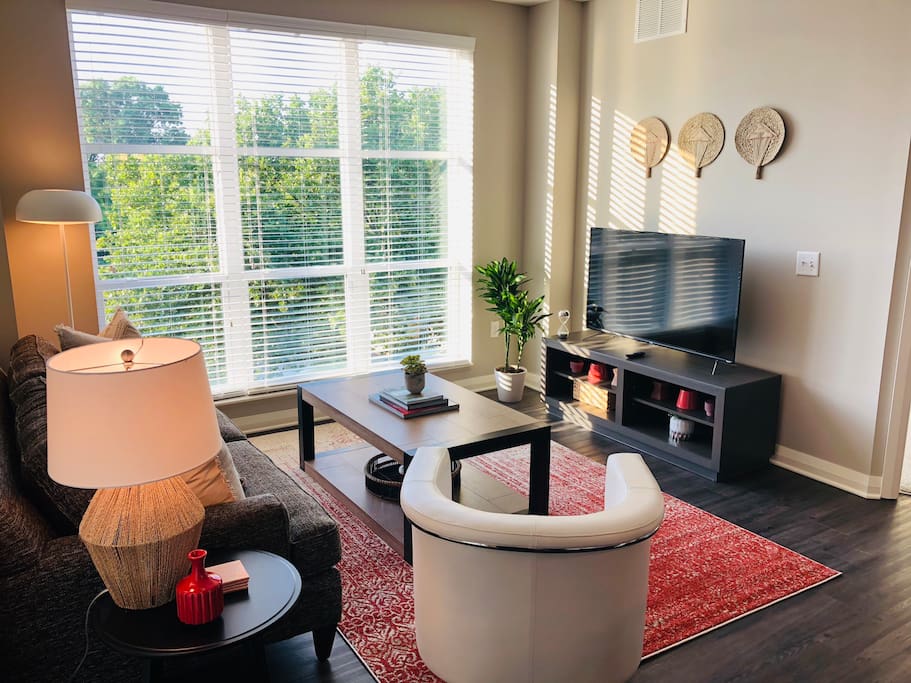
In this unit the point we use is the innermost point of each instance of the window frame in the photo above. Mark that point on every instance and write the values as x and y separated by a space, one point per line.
232 277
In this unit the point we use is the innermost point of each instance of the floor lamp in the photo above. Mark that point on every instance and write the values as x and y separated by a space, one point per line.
126 417
59 207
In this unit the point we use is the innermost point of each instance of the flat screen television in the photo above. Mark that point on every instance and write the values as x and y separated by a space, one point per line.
679 291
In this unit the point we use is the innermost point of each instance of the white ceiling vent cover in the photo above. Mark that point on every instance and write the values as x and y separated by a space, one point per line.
659 19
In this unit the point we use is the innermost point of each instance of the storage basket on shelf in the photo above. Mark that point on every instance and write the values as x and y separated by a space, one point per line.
593 395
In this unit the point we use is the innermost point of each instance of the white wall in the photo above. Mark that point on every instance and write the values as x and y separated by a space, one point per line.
838 73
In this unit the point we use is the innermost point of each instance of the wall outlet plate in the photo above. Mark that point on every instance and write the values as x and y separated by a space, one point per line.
494 328
808 263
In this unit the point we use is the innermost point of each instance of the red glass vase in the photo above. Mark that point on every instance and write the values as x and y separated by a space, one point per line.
687 399
200 598
596 373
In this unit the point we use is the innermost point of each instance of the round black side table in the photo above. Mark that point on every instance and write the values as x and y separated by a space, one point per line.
155 634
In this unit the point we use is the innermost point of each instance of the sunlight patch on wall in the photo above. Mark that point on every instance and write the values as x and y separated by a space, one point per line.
550 180
593 185
679 195
594 159
626 201
551 173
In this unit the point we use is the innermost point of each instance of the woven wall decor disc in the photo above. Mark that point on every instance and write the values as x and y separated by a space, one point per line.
759 137
700 140
648 142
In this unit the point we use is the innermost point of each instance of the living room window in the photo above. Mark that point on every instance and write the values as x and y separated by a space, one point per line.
294 195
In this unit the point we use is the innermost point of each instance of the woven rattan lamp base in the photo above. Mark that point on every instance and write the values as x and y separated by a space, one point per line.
139 537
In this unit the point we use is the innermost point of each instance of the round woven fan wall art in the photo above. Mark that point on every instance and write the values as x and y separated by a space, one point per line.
759 137
648 143
700 140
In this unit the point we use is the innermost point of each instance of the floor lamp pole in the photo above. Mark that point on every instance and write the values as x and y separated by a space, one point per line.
66 272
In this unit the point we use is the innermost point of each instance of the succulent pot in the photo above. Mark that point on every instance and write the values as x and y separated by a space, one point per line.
415 383
510 385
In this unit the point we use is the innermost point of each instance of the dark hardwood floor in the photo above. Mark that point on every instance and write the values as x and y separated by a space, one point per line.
855 628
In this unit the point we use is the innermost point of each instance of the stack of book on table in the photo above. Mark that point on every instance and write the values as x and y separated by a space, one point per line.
403 403
234 576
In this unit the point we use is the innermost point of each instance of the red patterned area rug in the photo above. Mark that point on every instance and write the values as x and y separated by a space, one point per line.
704 572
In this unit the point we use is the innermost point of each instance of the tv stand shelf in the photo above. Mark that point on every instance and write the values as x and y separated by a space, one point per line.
738 436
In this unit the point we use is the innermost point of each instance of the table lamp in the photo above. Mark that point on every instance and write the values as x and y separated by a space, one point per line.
59 207
126 417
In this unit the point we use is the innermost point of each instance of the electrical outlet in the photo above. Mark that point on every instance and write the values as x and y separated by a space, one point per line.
808 263
494 328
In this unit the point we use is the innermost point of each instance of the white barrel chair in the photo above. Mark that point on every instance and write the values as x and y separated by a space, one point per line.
501 598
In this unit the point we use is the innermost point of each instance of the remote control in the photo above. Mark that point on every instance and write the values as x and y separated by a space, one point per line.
635 354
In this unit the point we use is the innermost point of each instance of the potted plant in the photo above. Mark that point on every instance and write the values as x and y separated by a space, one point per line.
501 285
415 371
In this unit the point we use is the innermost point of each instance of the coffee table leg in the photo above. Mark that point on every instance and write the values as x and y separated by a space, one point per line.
406 528
539 474
307 447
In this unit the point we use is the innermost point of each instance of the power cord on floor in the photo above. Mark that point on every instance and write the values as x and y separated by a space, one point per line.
85 654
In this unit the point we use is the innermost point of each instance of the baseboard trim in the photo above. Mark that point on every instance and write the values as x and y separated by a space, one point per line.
487 382
844 478
269 421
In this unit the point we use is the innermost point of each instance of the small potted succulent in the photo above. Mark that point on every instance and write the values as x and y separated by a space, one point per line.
415 370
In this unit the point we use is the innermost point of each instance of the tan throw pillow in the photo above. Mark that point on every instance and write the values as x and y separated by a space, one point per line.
216 481
119 327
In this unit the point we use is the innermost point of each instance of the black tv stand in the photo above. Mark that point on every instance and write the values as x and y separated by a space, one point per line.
738 436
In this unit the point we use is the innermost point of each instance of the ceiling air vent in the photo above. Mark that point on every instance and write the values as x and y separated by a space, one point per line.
659 19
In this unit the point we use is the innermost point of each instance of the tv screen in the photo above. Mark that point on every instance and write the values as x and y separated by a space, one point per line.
679 291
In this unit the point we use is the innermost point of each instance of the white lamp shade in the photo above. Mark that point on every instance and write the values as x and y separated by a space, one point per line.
112 427
57 206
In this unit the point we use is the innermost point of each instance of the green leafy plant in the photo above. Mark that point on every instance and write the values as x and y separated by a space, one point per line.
413 365
501 286
526 320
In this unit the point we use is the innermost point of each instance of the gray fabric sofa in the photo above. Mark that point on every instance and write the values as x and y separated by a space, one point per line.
47 579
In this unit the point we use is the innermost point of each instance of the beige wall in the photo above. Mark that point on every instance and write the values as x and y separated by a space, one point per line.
838 73
552 156
40 147
7 307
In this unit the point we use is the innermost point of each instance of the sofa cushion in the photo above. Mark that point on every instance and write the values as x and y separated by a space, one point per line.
216 481
229 430
62 505
119 327
28 359
315 544
22 530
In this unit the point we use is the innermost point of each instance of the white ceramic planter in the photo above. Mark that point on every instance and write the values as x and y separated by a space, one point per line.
510 385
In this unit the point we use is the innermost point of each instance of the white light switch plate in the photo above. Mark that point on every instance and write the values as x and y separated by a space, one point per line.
808 263
494 328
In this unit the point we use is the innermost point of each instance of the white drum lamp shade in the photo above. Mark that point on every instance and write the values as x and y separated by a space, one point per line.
128 427
108 426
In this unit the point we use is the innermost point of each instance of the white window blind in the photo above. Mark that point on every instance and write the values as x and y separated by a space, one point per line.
295 196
